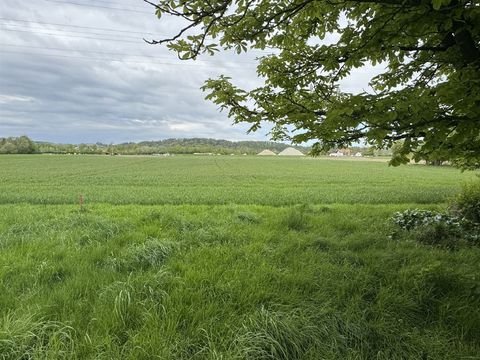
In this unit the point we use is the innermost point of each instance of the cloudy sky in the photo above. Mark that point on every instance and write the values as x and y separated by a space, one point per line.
78 71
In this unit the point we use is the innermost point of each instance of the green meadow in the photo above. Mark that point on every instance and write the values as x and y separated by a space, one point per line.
228 257
218 180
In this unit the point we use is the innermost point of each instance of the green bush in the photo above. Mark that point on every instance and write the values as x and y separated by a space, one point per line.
438 229
467 203
410 219
437 234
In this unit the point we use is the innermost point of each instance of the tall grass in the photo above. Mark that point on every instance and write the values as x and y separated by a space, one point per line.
203 282
26 336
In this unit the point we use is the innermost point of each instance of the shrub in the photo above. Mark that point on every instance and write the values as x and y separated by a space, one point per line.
440 229
410 219
467 203
438 234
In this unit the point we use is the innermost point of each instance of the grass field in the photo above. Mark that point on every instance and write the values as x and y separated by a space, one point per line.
220 180
228 258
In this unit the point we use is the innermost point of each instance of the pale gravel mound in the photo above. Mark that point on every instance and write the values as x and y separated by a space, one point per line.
266 153
291 152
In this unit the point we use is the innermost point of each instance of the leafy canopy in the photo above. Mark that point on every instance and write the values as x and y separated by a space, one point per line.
428 94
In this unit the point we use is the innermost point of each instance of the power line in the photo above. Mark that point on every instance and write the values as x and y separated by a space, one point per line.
100 6
68 31
77 50
80 27
98 29
109 60
113 54
74 36
117 3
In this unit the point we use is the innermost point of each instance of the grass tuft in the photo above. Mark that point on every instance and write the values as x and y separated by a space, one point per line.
248 217
28 337
270 335
150 254
296 219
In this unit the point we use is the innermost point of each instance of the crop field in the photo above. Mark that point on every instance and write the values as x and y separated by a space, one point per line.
228 258
220 180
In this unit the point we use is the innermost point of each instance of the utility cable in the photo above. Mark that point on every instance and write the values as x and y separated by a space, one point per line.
80 27
75 36
112 60
115 54
101 7
67 31
118 3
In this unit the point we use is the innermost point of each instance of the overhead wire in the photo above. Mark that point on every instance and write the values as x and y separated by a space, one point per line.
80 27
88 28
96 36
82 35
2 26
117 3
100 6
91 5
110 53
117 60
79 34
140 41
76 36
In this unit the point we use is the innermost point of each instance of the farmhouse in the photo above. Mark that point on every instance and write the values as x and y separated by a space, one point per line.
336 154
291 152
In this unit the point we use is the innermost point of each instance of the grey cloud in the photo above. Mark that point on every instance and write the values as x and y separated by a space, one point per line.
70 99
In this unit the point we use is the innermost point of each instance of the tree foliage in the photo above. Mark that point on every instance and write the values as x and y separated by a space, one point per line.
17 145
428 95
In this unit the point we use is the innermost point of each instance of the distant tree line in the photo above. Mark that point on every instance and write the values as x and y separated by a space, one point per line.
168 146
17 145
24 145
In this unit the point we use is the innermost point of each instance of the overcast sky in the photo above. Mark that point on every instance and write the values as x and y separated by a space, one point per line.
78 71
